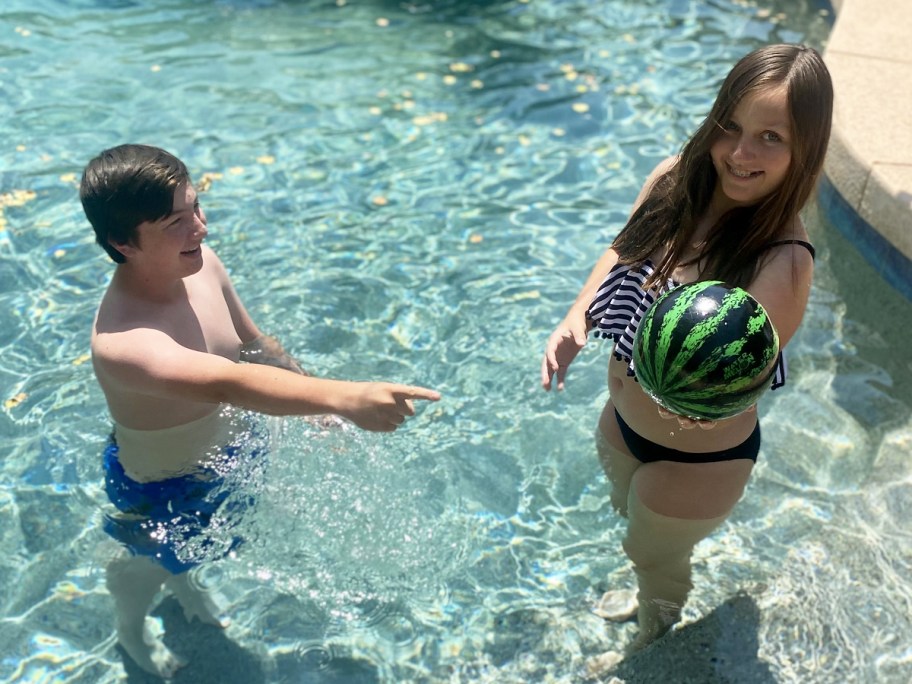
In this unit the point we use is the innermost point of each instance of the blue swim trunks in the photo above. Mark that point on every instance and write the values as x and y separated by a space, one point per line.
172 520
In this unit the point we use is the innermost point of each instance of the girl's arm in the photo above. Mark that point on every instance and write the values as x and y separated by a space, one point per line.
570 335
783 285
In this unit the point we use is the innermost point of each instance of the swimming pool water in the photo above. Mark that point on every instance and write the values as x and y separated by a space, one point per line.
415 191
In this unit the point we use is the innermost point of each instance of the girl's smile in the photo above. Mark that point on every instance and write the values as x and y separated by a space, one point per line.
753 151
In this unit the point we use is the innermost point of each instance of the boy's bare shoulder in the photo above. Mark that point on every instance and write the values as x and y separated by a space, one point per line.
119 313
212 265
121 336
125 325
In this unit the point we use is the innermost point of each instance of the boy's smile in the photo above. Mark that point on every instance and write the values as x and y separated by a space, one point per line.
180 233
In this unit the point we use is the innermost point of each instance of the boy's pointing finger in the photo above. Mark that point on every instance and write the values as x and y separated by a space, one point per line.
421 393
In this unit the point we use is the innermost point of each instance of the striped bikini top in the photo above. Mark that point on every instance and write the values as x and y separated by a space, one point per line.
621 302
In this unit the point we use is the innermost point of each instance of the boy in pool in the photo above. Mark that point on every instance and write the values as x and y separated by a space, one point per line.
166 344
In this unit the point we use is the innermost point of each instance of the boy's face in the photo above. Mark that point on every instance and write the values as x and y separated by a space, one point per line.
171 245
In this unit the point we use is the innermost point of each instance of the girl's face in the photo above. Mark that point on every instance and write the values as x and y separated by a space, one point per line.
753 152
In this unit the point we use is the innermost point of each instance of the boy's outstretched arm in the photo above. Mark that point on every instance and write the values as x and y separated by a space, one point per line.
268 351
149 362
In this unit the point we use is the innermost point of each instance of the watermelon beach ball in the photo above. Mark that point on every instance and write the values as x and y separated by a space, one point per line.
706 351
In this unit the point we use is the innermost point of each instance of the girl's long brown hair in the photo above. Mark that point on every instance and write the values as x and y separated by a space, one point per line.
735 244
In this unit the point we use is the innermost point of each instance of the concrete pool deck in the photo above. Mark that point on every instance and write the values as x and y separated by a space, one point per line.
868 171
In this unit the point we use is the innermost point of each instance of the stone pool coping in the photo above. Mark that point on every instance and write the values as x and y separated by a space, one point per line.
867 189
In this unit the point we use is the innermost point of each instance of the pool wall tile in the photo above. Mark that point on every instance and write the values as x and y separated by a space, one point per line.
894 267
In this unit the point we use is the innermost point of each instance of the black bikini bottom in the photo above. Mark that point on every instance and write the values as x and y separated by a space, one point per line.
646 451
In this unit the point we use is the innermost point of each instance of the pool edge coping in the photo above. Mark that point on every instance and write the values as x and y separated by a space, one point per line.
866 186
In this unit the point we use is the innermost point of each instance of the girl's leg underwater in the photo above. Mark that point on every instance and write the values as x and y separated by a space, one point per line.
659 546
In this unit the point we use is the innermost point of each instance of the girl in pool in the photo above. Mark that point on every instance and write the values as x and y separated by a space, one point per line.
726 208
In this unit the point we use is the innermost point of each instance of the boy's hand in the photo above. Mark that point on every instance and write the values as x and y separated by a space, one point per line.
384 406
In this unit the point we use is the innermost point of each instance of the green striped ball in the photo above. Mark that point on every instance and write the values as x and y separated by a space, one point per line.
706 351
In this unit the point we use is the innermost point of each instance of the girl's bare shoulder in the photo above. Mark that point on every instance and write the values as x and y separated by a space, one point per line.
660 170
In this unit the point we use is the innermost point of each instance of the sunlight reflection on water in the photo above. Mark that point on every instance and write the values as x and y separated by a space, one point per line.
421 200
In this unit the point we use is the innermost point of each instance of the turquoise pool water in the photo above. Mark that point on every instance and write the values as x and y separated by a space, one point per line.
415 191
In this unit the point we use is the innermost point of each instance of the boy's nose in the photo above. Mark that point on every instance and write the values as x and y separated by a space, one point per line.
199 226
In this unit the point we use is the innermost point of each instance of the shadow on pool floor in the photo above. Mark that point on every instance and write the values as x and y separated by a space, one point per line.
721 648
213 658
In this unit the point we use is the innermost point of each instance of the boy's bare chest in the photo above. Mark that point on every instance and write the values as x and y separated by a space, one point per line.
203 322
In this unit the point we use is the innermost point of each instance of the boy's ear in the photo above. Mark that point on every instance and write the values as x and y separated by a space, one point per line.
128 249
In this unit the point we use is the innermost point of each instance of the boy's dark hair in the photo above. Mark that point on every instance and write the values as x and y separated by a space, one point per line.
125 186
